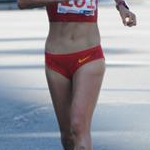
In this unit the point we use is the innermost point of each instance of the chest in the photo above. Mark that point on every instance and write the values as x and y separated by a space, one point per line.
86 7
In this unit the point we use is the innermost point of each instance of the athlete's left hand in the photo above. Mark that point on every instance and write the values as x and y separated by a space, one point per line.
128 18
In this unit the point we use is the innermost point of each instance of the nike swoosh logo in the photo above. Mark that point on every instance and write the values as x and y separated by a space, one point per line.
81 60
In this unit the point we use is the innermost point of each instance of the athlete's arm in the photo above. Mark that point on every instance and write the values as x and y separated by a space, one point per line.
128 18
23 4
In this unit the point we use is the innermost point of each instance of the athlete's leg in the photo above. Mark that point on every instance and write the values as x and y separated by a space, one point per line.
86 85
60 89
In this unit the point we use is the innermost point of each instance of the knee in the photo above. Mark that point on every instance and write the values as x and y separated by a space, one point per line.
66 136
66 139
78 125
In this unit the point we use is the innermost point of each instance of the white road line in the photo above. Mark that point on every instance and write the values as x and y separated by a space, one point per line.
22 61
119 102
103 89
57 134
145 63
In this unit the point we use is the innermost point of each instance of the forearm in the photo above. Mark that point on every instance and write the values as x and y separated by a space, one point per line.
117 1
121 4
23 4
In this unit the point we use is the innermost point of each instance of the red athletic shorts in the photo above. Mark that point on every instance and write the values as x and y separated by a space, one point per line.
67 64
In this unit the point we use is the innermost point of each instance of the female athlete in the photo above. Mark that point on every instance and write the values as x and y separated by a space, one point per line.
75 64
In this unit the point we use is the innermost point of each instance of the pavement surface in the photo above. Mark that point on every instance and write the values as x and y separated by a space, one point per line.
121 120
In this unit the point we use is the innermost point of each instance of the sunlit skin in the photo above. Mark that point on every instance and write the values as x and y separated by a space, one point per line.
74 101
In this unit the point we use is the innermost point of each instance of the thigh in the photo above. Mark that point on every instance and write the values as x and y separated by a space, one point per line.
60 90
87 82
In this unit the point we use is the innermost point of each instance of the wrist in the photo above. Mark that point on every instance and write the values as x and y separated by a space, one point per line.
121 4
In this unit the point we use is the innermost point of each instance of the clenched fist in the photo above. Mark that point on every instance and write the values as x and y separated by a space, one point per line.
128 18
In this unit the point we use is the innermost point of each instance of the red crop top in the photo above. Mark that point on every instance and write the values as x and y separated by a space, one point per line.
73 11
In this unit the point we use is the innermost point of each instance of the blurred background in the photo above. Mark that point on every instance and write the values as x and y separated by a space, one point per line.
121 120
11 4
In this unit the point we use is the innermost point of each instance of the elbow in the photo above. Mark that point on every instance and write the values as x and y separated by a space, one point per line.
22 4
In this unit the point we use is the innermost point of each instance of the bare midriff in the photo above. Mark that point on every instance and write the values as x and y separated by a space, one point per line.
69 37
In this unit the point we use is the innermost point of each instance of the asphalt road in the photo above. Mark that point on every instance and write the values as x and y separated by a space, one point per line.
121 120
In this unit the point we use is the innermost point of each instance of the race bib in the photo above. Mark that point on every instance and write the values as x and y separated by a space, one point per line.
85 7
